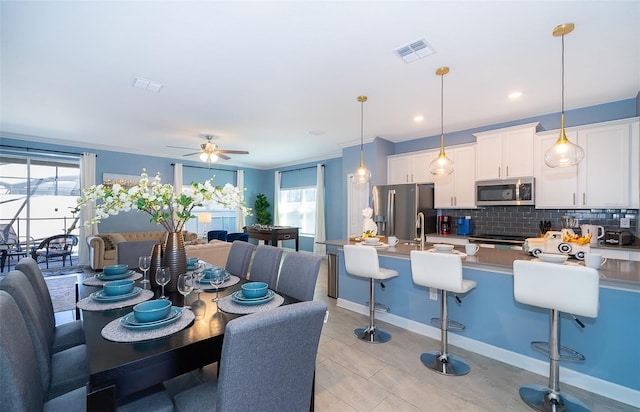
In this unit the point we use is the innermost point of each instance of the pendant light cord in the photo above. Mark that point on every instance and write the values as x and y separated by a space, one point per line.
562 89
361 125
441 113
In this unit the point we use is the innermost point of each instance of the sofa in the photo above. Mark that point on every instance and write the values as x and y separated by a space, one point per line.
103 248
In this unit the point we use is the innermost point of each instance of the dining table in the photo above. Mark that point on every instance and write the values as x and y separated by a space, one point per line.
120 371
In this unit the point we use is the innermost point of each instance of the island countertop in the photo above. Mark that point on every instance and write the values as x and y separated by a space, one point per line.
615 273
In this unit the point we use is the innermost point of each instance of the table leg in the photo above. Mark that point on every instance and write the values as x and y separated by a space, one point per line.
102 400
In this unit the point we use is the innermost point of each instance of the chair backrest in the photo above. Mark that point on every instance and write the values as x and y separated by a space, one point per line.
32 271
239 258
9 238
265 265
268 359
567 288
21 385
129 252
64 242
216 234
361 261
238 236
16 284
437 270
298 275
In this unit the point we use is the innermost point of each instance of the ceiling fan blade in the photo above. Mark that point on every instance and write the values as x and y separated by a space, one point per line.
191 154
180 147
232 151
223 156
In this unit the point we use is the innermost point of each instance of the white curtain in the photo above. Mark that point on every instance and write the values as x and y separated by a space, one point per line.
276 198
87 179
177 178
321 234
239 214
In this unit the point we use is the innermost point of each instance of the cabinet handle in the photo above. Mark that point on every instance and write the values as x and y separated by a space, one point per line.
507 171
407 178
584 198
499 171
411 177
451 200
455 201
574 198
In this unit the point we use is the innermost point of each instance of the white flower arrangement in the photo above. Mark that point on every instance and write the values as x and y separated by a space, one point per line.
165 207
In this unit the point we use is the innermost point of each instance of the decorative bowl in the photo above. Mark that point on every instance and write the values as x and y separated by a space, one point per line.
115 269
253 290
371 240
152 310
118 287
443 247
553 257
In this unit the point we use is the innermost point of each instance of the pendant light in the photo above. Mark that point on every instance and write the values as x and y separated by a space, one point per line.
563 153
362 175
441 165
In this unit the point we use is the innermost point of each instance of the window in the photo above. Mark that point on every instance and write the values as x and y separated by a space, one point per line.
297 208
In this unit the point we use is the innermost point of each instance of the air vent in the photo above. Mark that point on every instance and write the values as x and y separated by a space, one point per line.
148 85
414 51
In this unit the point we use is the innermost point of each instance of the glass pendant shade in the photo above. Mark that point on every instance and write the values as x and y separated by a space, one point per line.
441 165
563 153
362 175
208 157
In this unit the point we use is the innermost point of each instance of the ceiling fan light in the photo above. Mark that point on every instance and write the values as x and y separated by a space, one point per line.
441 165
204 156
213 157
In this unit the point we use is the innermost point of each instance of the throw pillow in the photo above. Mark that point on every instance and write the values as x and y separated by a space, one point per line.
116 238
108 243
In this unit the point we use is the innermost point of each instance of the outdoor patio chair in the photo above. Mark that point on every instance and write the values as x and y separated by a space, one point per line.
53 247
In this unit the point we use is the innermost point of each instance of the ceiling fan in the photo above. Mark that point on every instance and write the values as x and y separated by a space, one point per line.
209 151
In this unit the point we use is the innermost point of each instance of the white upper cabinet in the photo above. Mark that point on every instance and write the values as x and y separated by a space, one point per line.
607 177
410 168
457 190
505 153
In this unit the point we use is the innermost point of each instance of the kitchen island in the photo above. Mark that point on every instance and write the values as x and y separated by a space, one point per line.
499 327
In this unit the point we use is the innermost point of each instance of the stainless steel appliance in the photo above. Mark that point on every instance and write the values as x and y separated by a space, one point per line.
396 207
505 192
620 238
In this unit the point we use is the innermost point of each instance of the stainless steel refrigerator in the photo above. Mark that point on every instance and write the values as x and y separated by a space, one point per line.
396 207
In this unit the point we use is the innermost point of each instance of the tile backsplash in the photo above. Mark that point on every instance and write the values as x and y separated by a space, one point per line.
525 220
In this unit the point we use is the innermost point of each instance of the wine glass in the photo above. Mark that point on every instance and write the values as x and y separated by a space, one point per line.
217 279
163 276
198 274
144 263
185 286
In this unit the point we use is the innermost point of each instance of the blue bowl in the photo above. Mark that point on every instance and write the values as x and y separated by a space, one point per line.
115 269
253 290
192 261
152 310
118 287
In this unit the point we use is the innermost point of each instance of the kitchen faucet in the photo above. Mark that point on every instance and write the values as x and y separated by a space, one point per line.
421 224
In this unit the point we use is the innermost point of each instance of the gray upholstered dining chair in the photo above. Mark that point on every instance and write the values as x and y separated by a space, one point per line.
298 275
129 252
60 372
63 336
20 376
265 265
267 363
239 258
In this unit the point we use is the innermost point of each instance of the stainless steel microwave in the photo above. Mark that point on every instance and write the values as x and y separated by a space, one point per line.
505 192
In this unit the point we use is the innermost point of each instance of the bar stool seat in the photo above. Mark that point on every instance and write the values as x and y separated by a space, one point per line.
362 261
441 271
560 288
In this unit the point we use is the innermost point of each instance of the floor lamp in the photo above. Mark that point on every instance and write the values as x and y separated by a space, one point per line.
204 218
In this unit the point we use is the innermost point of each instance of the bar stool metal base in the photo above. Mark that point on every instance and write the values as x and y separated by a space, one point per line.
445 365
542 399
372 335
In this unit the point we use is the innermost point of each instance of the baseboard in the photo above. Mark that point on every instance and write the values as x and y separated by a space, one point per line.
568 376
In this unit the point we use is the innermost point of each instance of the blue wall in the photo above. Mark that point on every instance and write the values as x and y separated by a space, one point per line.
336 170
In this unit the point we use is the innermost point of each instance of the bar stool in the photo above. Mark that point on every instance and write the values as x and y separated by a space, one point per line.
560 288
362 261
441 271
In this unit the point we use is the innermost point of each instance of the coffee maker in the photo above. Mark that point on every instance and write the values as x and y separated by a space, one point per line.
464 226
444 225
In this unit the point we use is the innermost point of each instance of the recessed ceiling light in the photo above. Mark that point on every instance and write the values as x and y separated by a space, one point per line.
515 95
419 118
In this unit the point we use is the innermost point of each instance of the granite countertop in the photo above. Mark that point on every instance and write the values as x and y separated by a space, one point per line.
616 273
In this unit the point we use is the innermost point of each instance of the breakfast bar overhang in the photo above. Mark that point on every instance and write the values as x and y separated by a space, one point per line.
500 328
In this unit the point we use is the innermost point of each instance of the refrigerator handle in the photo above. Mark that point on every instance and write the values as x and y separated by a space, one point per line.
391 203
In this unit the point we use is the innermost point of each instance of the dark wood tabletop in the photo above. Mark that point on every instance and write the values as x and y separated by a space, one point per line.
119 371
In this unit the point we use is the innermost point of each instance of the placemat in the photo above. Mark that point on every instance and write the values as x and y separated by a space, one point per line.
225 304
207 286
115 332
94 281
94 306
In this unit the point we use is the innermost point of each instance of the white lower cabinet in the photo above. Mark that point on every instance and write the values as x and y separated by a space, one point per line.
456 191
608 175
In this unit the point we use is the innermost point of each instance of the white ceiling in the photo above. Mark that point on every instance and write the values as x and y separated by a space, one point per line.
262 75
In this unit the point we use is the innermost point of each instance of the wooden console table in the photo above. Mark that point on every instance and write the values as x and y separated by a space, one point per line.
274 233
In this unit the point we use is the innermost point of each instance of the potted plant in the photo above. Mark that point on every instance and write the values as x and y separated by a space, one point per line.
261 210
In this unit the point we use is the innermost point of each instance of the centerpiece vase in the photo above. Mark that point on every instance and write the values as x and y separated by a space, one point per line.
156 262
175 258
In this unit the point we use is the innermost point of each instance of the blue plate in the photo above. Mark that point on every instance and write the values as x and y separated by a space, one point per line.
207 280
100 296
129 320
102 276
239 298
